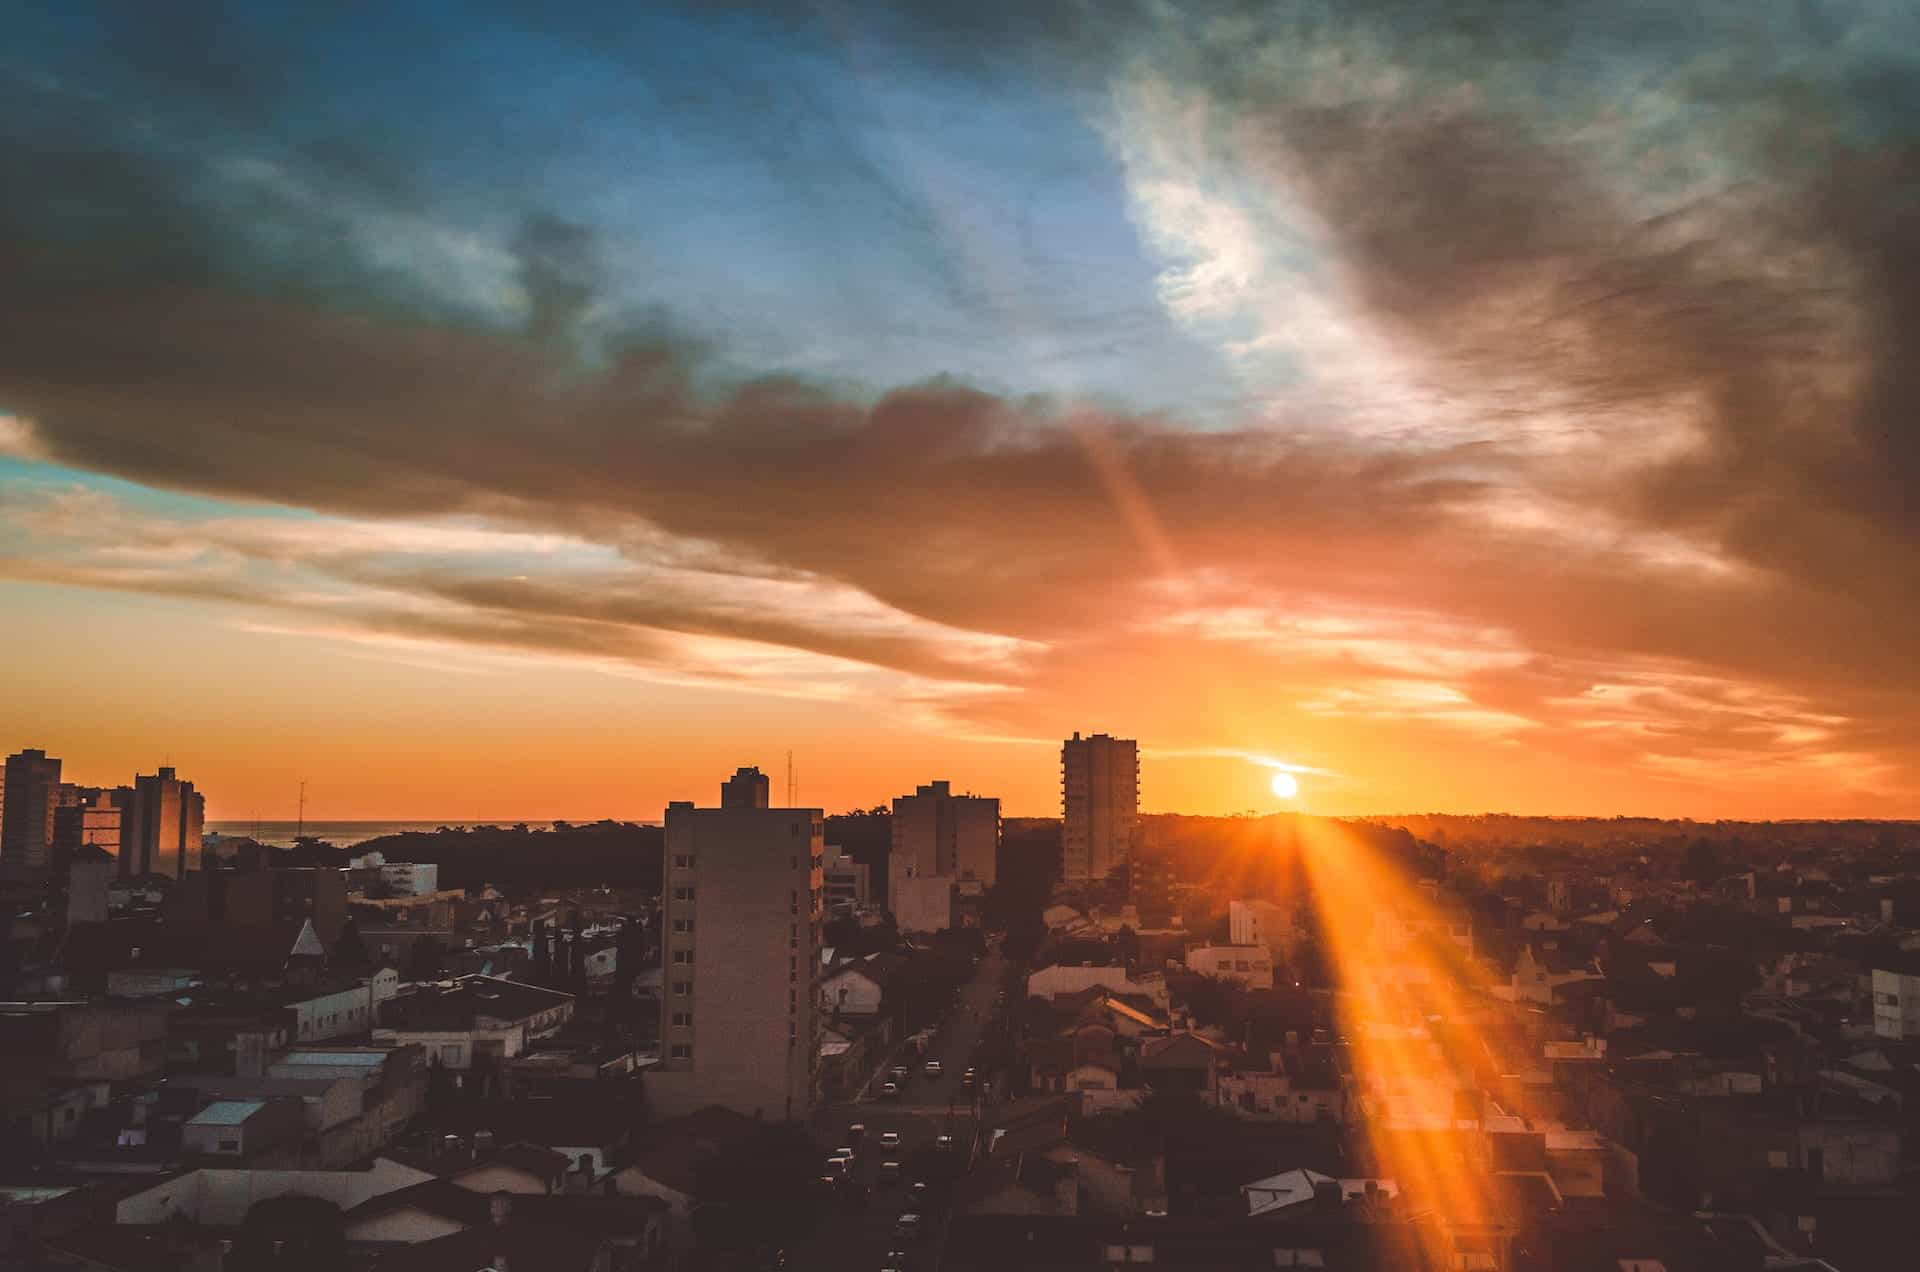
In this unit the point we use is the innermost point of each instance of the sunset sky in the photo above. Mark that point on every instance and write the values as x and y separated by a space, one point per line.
493 410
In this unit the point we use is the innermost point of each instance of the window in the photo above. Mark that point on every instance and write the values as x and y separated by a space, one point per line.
683 989
683 860
453 1054
683 893
230 1146
683 1020
683 925
683 956
680 1051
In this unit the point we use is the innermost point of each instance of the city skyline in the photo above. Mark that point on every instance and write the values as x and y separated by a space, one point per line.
529 415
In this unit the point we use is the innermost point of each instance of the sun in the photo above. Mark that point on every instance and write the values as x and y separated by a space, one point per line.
1284 786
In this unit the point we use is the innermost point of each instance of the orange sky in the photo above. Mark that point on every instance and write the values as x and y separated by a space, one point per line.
1334 395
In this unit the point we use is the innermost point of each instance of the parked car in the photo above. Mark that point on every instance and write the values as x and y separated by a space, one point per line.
856 1133
889 1090
889 1139
943 1142
910 1226
900 1074
969 1079
889 1172
933 1068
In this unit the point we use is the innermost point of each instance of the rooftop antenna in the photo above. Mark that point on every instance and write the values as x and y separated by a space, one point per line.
300 826
792 788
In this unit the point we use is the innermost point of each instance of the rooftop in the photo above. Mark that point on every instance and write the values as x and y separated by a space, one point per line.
226 1113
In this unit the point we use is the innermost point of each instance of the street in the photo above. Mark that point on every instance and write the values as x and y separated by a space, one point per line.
853 1238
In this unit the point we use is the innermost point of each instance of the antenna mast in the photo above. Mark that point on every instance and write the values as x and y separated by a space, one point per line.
792 789
300 826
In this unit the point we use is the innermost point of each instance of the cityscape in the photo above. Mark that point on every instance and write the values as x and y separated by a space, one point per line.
960 636
926 1034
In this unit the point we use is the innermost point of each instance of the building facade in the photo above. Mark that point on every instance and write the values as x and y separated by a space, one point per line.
85 816
166 820
1100 804
27 803
1896 1004
739 1004
939 840
847 883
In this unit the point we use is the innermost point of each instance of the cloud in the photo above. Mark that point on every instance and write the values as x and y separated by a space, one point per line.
1524 427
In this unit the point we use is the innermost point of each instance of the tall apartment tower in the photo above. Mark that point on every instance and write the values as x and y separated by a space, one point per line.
1100 801
166 819
27 803
739 1024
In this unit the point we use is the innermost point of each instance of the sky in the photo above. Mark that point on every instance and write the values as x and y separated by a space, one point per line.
502 409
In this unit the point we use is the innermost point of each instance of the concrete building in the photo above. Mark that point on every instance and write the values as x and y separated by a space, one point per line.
743 904
1262 923
846 884
281 896
85 816
243 1129
166 820
1896 1004
1100 803
89 876
1248 966
923 904
936 832
27 801
410 878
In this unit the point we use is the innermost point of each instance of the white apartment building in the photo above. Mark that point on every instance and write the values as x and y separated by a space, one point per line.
1100 803
411 878
1249 966
739 1006
1896 1004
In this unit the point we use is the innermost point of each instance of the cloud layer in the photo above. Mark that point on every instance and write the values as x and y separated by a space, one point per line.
1577 401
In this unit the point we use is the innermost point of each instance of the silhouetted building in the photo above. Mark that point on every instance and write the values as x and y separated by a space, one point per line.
936 832
743 894
90 874
283 897
27 805
85 816
1100 802
166 819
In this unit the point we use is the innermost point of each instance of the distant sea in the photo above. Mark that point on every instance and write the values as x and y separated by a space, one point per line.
345 834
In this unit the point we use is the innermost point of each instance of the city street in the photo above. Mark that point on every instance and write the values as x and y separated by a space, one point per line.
856 1238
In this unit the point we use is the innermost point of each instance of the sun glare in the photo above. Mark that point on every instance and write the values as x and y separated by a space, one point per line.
1284 786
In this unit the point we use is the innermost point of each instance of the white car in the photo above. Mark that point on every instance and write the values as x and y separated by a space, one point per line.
840 1158
933 1068
889 1139
909 1225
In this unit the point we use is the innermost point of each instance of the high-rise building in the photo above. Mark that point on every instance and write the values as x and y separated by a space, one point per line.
31 794
166 819
1100 799
938 835
743 890
936 832
85 816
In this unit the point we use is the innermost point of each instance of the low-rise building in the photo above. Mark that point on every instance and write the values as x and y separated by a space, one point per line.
1249 966
474 1016
244 1130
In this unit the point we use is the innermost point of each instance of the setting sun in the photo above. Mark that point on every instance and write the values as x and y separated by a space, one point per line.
1284 786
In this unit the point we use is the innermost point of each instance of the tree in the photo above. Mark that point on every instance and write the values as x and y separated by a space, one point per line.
290 1234
350 950
540 964
757 1193
440 1088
